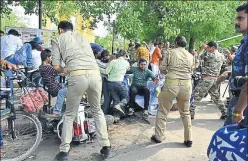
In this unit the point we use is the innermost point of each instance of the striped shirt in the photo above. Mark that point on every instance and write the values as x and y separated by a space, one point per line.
48 74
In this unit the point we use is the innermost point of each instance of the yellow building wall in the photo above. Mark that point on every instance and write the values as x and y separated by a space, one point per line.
88 33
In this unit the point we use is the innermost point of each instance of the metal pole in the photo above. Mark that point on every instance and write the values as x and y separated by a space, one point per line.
40 14
113 37
229 38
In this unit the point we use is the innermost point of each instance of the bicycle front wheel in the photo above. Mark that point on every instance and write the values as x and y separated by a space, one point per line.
21 136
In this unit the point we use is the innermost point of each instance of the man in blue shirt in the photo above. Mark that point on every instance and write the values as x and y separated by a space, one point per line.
240 60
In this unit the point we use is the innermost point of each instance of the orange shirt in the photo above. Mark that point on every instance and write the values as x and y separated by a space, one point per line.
156 56
144 53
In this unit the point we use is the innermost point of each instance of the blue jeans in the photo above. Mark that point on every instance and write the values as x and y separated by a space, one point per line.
107 97
119 93
22 56
60 100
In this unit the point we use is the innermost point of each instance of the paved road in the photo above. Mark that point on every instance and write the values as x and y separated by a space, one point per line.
131 140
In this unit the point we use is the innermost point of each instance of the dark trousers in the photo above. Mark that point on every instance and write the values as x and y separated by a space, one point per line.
107 97
139 90
118 93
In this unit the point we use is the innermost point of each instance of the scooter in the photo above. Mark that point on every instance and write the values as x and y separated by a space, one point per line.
83 126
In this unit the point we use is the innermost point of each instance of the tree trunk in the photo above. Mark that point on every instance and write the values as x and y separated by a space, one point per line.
191 43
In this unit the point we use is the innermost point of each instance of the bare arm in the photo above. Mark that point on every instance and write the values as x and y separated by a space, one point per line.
241 104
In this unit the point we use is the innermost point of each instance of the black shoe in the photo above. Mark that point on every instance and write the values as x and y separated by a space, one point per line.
105 151
223 116
156 139
62 156
188 143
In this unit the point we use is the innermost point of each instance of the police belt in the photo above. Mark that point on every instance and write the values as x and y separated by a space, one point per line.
178 81
84 72
235 93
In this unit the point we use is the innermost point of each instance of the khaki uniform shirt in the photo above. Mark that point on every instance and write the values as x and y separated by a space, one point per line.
178 63
75 51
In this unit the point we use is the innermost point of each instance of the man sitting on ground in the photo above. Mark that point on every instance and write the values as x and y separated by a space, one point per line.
48 75
139 85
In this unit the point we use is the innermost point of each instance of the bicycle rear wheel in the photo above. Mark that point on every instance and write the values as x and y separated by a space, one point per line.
23 140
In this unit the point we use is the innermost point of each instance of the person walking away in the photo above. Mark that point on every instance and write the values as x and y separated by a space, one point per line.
84 76
116 71
141 75
156 57
178 64
213 61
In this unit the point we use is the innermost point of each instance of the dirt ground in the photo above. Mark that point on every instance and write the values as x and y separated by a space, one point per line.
130 140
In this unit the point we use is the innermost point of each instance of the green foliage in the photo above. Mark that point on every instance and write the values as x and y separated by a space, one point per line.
164 20
106 42
54 9
12 21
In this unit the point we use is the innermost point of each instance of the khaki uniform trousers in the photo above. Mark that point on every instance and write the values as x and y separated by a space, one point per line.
79 82
181 90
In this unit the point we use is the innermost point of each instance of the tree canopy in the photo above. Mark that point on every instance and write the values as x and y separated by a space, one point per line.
198 21
164 20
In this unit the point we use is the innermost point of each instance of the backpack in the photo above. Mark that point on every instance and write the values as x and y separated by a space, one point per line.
34 100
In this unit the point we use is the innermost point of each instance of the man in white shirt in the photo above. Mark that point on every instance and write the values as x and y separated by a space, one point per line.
14 51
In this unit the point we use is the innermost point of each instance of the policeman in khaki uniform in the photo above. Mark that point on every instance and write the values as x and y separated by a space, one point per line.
84 76
178 64
213 61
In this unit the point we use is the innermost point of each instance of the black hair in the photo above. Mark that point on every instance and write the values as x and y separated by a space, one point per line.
121 52
137 46
1 32
213 44
13 32
65 25
104 53
156 43
142 60
181 41
242 8
34 45
45 54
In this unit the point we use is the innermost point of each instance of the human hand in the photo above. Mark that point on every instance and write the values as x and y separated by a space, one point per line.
222 77
156 80
204 46
11 66
237 119
227 52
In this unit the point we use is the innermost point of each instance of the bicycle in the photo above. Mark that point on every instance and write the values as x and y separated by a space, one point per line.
21 132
